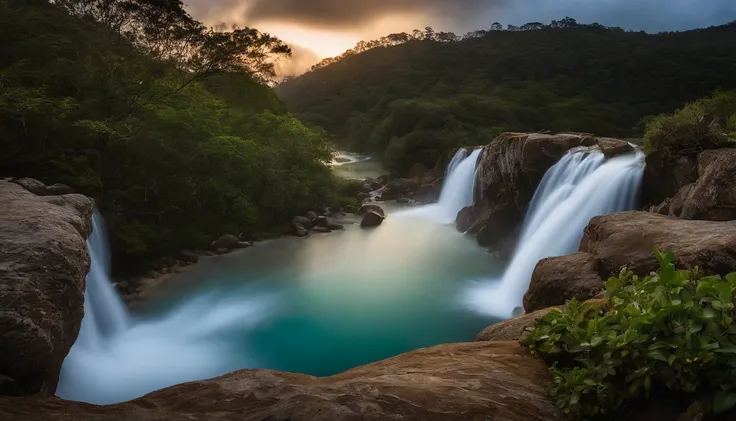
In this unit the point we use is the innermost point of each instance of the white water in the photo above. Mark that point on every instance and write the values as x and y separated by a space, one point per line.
582 185
457 190
116 359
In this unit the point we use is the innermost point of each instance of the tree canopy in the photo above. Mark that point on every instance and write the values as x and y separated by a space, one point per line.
410 97
165 122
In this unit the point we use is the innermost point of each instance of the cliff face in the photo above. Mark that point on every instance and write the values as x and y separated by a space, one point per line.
43 265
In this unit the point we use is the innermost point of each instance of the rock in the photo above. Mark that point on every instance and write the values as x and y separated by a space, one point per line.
471 219
481 381
297 230
304 222
189 256
556 280
383 180
612 148
499 225
334 226
713 196
321 221
123 287
371 208
350 209
311 215
373 184
665 176
390 192
362 197
58 190
428 194
43 265
512 329
34 186
372 219
227 242
627 239
243 245
323 230
219 251
404 200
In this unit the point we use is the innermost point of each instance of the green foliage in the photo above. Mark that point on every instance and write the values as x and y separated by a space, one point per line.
673 330
702 124
558 77
175 152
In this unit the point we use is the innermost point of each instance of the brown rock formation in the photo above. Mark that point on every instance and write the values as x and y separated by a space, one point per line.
512 329
557 280
494 381
43 265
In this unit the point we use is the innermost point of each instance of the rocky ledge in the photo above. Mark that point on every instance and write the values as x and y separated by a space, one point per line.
43 265
494 381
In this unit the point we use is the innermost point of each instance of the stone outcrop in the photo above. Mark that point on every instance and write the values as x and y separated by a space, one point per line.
509 170
627 239
43 265
494 381
557 280
612 148
665 176
512 329
713 196
372 219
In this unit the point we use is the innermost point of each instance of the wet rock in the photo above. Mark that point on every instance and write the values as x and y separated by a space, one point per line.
243 245
371 219
371 208
227 242
304 222
556 280
43 265
334 226
189 256
312 216
299 231
323 230
612 148
428 193
481 381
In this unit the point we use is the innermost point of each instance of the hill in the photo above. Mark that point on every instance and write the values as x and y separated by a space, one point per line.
412 101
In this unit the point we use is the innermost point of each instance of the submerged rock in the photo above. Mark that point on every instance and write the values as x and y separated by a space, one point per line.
372 219
627 239
371 208
227 242
556 280
488 381
323 230
42 280
297 230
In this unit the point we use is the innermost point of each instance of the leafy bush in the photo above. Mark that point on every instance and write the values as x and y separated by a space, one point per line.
702 124
672 331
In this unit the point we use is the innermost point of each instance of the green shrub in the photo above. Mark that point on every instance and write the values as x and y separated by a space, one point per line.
672 331
698 125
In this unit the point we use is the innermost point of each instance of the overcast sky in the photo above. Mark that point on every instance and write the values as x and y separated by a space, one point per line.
324 28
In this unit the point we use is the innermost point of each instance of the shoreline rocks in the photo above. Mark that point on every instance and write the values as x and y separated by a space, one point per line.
43 265
372 219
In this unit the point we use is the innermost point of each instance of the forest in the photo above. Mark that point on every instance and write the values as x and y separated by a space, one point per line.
409 97
168 124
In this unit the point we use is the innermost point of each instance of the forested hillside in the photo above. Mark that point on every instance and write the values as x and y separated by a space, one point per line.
168 124
410 97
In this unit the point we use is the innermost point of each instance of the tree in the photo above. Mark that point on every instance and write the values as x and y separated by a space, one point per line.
496 27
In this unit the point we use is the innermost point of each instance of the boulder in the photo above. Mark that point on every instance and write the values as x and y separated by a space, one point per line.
227 241
303 221
372 219
32 185
481 381
713 196
612 148
512 329
297 230
627 239
189 256
556 280
243 245
323 230
428 193
334 226
58 190
371 208
664 176
311 215
43 265
390 192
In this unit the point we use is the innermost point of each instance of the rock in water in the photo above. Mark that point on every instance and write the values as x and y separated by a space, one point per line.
481 381
227 241
612 148
371 219
297 230
303 221
371 208
311 215
42 284
556 280
323 230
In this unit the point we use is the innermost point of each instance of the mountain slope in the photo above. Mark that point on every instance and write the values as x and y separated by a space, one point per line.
412 101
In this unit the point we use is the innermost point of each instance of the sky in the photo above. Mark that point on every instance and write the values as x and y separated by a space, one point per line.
316 29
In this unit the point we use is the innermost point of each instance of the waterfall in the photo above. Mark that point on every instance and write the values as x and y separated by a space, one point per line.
117 358
457 190
580 186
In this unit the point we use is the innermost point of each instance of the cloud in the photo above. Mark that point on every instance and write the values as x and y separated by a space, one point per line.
301 60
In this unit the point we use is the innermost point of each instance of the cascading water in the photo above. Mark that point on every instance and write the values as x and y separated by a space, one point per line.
580 186
457 190
116 358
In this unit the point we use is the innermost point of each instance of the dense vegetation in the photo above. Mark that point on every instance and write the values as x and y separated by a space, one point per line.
411 101
703 124
168 124
672 331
